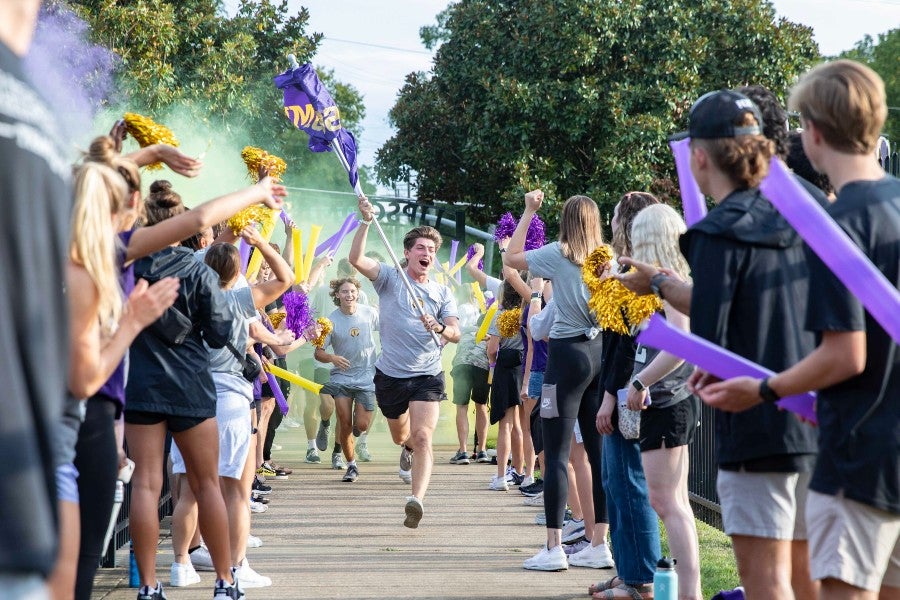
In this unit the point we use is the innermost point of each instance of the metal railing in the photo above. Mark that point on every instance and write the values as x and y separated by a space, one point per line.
703 470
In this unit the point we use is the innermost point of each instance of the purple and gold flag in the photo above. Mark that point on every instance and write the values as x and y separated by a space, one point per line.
309 106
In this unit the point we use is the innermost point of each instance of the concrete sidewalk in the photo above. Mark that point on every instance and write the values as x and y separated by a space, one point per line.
327 539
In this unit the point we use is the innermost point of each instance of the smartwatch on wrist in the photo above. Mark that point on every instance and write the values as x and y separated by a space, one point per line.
535 295
638 385
502 250
767 393
656 284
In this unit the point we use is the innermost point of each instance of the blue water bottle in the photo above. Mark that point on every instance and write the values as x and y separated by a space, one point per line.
665 580
134 578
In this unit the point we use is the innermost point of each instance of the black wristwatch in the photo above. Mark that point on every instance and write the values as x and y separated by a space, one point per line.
638 384
767 393
656 284
443 328
502 250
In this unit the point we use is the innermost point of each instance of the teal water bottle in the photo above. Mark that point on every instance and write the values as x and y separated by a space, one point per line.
665 580
134 578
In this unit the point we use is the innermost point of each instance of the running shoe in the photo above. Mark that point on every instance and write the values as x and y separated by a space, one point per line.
148 593
414 512
362 452
498 484
578 546
534 489
183 575
312 456
337 462
322 436
593 557
266 471
351 475
482 457
552 559
573 531
460 458
406 458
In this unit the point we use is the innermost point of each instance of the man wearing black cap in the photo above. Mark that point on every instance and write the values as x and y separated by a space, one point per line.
750 277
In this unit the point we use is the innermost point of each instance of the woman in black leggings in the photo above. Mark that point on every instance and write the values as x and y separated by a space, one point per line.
571 387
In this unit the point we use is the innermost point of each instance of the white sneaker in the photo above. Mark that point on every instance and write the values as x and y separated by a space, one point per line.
183 575
201 559
499 484
572 531
414 511
552 559
593 557
250 578
258 507
253 542
534 500
406 476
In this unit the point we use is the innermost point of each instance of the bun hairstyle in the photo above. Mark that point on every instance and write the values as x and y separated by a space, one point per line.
103 150
745 158
162 203
225 260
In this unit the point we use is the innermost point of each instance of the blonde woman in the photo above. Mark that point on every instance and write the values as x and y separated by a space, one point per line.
669 422
102 328
572 380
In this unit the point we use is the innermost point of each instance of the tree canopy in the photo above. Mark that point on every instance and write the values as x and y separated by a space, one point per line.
191 56
574 96
883 56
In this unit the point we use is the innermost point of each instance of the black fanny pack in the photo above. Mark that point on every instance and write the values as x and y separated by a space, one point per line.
250 369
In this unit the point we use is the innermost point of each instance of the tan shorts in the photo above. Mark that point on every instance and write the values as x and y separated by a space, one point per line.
764 505
853 542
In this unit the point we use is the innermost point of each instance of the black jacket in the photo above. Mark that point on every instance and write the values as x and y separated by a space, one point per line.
172 377
750 287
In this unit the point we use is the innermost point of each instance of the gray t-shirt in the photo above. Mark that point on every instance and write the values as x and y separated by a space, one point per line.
353 337
506 343
571 295
407 349
222 360
669 390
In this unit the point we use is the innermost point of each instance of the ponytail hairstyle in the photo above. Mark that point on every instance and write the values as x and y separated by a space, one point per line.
162 203
102 150
745 158
225 260
100 193
628 207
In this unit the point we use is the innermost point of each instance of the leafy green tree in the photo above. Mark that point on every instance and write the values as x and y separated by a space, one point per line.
884 57
191 56
574 96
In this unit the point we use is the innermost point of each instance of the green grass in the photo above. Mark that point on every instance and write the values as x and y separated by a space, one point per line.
718 570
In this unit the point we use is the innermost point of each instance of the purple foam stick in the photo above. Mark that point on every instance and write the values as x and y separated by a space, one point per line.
285 218
276 391
722 363
454 247
834 247
329 244
692 200
244 249
337 243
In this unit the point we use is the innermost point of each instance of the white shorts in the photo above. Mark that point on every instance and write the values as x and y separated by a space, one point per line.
764 505
233 419
853 542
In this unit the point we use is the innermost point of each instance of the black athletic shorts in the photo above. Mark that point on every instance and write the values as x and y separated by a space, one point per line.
174 423
675 424
394 394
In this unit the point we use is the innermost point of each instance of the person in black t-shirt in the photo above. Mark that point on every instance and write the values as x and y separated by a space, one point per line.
854 502
748 266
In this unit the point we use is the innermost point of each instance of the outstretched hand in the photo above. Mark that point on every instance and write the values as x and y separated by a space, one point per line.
118 133
147 303
637 278
252 236
273 193
179 162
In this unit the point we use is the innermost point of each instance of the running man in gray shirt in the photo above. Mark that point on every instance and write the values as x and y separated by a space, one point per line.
352 340
409 381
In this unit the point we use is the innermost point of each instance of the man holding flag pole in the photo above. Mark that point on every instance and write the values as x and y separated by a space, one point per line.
409 379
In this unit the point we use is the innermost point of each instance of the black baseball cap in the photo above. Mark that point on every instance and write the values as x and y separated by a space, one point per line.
713 116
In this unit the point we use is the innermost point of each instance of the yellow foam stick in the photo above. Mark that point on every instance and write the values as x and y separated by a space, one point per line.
266 230
459 265
310 250
488 318
297 244
303 382
440 278
479 296
445 267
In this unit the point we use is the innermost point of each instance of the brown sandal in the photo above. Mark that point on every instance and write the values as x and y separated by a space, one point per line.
602 586
641 592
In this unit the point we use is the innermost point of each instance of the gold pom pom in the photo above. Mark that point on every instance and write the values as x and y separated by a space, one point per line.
277 317
258 213
327 326
616 307
509 322
255 158
148 132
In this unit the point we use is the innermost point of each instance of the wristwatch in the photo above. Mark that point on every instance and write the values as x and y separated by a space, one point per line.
767 393
638 385
535 295
502 250
656 284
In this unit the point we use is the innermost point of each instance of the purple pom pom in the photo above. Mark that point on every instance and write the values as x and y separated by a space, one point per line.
505 227
470 253
299 314
535 237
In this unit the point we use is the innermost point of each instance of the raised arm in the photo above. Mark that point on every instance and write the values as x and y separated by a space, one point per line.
268 291
147 240
512 277
367 266
638 279
171 156
472 266
515 252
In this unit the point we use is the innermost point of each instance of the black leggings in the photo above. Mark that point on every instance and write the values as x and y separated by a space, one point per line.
573 365
97 461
